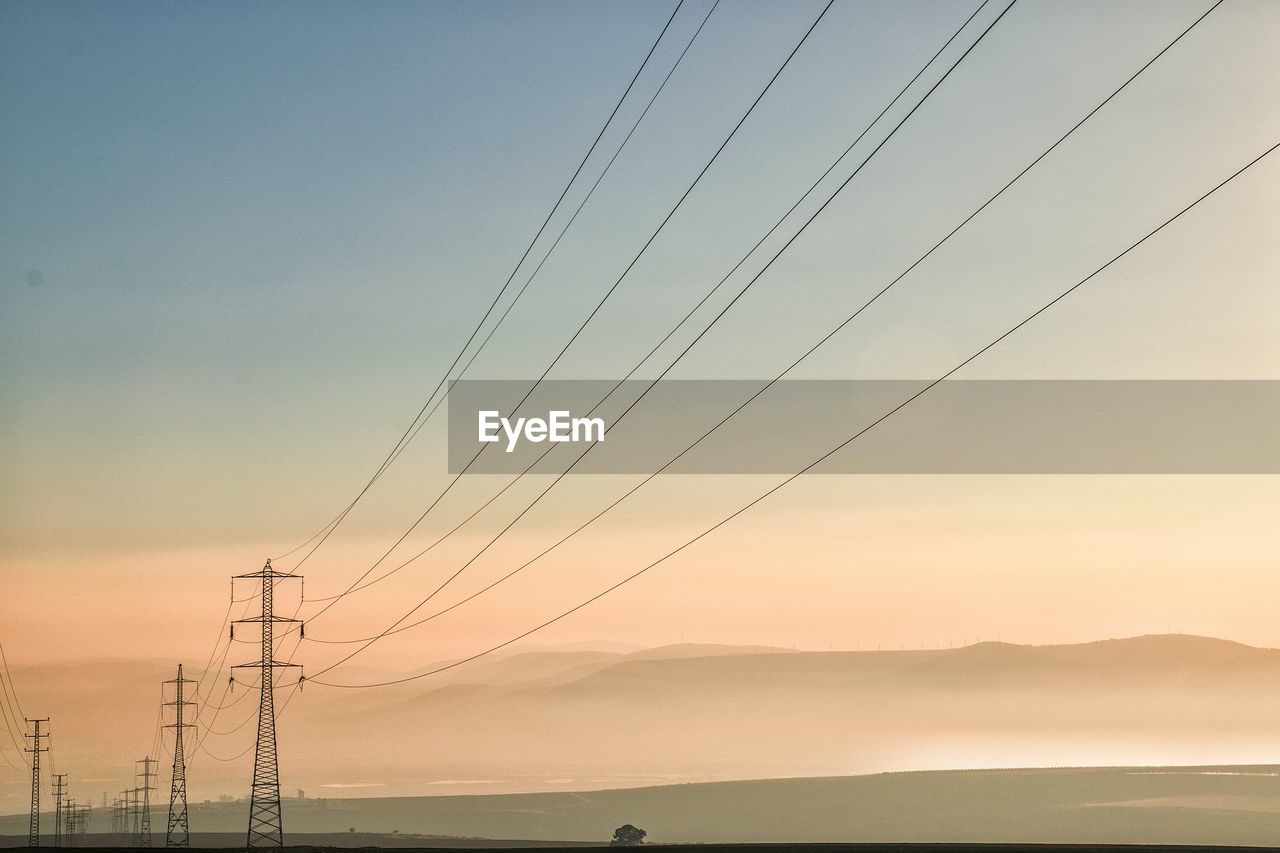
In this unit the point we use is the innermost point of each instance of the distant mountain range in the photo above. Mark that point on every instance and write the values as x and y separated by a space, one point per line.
564 719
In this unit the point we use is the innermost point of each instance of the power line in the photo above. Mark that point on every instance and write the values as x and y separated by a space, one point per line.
324 532
226 620
493 329
11 711
932 384
787 370
219 706
609 292
222 704
360 586
11 730
5 660
752 281
201 743
761 390
283 705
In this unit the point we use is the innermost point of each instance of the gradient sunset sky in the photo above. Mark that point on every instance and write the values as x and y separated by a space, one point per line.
243 241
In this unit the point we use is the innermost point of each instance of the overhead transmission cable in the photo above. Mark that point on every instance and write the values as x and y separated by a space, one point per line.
600 304
824 457
323 533
787 370
9 675
692 311
207 703
423 422
222 704
11 708
494 328
367 643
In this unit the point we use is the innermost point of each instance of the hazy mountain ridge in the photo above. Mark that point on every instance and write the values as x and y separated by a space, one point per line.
573 718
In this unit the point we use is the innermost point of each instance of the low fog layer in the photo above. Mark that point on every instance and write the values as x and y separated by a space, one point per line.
572 720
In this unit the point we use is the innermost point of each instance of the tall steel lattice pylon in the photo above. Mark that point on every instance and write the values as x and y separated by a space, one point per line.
144 823
33 833
59 789
178 833
266 828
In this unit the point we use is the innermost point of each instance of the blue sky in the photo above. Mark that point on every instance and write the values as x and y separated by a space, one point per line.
241 241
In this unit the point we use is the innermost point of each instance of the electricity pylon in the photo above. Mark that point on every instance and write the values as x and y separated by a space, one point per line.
75 816
33 832
59 788
147 774
266 828
133 814
82 818
71 823
118 815
77 821
178 833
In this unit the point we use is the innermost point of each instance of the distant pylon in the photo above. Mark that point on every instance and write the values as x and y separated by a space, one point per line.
178 833
70 806
118 821
59 788
144 824
134 814
33 832
77 821
266 828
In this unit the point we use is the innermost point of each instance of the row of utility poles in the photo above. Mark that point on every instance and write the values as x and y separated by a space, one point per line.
69 817
131 812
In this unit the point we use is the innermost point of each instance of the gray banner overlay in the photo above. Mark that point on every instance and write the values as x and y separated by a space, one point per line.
958 427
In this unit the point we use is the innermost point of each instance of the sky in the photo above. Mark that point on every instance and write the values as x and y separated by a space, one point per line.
242 242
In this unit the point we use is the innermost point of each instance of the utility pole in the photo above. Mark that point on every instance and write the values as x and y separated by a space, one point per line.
77 820
83 814
33 833
147 774
71 823
59 788
265 826
135 815
178 833
126 813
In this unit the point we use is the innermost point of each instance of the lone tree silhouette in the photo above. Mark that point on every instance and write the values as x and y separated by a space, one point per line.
628 836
